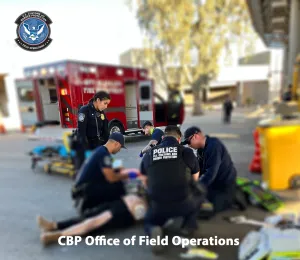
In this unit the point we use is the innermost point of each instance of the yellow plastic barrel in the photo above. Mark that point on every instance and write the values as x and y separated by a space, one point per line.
280 156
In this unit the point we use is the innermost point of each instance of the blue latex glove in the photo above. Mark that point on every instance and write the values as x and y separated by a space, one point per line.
87 154
141 155
132 175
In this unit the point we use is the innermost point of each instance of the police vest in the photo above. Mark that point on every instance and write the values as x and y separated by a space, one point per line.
168 176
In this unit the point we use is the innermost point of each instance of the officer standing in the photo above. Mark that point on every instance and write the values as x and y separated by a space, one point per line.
288 95
217 171
92 125
92 122
97 182
156 136
171 171
227 110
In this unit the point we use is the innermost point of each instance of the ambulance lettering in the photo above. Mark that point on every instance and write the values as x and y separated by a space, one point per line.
89 90
110 86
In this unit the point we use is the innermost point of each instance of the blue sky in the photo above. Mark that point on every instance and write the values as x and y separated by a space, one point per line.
89 30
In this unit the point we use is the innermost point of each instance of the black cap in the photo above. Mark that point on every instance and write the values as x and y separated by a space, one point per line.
146 123
118 138
189 132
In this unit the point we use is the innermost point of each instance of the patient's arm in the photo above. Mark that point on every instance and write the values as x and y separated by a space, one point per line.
136 206
149 146
88 225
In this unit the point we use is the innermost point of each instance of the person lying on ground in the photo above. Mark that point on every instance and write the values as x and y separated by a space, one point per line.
121 213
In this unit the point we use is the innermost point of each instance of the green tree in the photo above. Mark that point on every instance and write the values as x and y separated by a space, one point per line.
183 29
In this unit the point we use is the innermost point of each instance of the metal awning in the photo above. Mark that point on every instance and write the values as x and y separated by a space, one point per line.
270 18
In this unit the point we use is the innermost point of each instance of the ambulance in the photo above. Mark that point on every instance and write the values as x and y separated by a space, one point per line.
53 93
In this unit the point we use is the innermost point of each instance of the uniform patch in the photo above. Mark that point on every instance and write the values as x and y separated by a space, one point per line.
102 117
165 153
81 117
107 160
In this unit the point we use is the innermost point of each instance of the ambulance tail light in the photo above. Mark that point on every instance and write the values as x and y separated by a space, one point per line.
67 115
64 92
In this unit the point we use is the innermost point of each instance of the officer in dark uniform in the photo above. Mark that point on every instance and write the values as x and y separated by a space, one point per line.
227 110
288 95
97 182
156 136
217 170
92 125
171 171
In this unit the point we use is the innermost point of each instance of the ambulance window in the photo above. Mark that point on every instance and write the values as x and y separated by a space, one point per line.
51 82
145 92
53 95
41 82
25 94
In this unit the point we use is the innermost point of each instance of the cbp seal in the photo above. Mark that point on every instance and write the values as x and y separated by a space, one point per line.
33 31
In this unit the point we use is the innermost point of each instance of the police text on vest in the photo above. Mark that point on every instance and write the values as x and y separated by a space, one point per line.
165 153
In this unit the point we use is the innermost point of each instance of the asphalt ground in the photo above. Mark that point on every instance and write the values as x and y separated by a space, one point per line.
25 193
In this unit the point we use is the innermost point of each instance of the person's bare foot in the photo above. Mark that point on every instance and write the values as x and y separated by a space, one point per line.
48 238
45 224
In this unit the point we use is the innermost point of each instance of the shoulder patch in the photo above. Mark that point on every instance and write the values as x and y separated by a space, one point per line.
107 160
81 117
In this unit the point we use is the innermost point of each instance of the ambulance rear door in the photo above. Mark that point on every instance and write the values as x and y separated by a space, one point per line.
145 98
68 113
27 101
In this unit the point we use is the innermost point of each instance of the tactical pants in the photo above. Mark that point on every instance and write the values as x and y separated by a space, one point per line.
227 117
159 214
222 199
96 194
79 159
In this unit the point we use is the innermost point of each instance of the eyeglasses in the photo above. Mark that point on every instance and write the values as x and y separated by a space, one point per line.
188 140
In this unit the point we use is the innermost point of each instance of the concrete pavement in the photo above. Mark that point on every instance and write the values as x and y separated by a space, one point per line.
25 194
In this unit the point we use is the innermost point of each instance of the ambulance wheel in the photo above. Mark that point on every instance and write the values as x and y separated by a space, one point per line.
116 127
295 182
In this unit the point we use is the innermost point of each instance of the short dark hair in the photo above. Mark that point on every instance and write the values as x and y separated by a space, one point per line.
147 123
102 95
173 130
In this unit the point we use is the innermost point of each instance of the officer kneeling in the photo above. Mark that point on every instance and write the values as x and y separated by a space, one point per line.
97 182
172 171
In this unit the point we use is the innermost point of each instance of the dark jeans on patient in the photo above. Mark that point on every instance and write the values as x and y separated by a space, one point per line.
121 217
